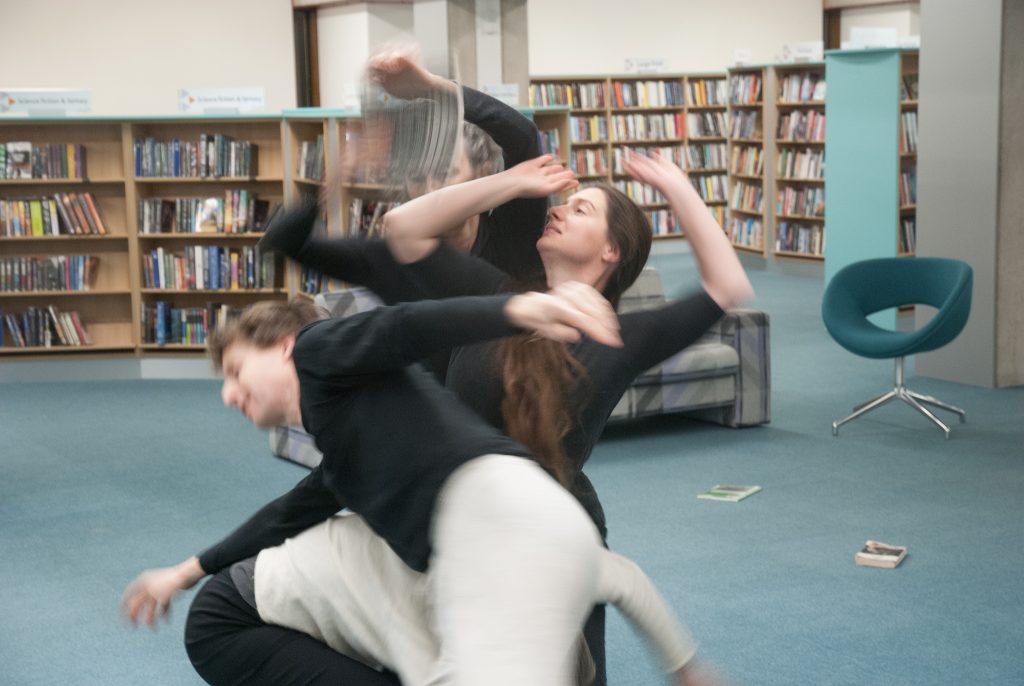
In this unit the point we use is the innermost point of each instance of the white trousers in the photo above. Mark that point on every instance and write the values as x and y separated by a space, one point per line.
514 573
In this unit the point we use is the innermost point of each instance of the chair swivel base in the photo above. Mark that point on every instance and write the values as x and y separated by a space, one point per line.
915 400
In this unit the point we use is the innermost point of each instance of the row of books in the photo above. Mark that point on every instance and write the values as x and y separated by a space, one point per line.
647 94
805 87
706 124
745 89
237 211
801 127
648 127
704 92
908 87
202 267
311 159
718 214
808 239
164 324
801 164
52 273
674 153
746 231
579 95
712 187
22 160
747 160
908 131
591 161
744 124
706 155
70 214
908 234
663 222
748 197
213 155
42 327
801 202
366 217
311 281
640 193
588 129
549 142
908 187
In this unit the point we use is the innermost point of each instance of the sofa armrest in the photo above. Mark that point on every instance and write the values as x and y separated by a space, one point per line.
746 331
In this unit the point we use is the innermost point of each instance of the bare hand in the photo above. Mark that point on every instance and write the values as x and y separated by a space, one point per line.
541 177
400 72
565 312
654 170
149 596
697 674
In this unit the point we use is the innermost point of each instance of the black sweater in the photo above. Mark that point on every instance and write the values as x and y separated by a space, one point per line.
390 435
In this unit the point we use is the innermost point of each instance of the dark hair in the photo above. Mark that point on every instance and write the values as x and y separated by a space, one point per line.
262 325
629 230
540 377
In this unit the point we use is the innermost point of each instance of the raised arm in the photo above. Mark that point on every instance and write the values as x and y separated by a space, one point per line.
151 593
721 271
343 350
413 228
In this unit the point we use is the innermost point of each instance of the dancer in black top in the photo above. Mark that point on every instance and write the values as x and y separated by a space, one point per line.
599 237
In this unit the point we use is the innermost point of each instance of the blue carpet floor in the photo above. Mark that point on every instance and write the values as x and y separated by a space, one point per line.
101 480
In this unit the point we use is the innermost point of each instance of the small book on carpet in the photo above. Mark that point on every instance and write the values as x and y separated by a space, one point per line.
875 554
729 493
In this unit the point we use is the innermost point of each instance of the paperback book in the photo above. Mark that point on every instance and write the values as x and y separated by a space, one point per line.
876 554
729 493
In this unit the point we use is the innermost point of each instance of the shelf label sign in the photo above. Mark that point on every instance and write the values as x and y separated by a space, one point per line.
45 100
224 100
742 57
645 65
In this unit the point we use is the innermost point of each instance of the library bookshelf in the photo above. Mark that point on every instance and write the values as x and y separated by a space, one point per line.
906 229
680 115
750 159
799 181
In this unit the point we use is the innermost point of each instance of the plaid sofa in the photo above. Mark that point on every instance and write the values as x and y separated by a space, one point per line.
723 378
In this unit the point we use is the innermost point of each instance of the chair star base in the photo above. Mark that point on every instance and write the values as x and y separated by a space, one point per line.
915 400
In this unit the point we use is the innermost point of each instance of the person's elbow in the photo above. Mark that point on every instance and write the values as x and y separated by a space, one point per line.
730 293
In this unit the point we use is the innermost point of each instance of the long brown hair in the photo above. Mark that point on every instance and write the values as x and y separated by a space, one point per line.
540 376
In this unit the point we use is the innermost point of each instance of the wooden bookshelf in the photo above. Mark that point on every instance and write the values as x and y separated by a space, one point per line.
906 222
612 114
748 223
798 215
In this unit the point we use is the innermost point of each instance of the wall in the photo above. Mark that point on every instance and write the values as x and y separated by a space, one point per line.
690 35
905 18
135 55
958 174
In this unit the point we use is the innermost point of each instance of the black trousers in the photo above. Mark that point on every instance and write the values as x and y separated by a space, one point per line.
229 645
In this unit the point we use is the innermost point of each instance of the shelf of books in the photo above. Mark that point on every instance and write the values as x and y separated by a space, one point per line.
680 116
203 191
799 186
749 163
907 220
64 239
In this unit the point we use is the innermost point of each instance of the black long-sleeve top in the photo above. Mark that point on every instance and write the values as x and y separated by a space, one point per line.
389 433
474 375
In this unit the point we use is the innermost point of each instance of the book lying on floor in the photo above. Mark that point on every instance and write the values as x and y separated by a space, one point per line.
729 493
875 554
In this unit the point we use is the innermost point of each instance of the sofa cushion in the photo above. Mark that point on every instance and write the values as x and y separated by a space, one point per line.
698 361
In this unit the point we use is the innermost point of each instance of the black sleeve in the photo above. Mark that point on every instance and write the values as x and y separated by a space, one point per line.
307 504
651 336
389 338
362 261
509 233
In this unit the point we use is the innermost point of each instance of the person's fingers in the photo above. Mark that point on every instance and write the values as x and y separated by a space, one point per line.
589 301
597 327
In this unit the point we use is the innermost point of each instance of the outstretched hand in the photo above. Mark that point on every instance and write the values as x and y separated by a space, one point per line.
542 176
148 597
565 312
400 72
654 170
